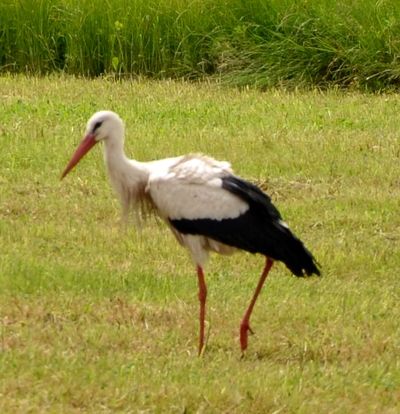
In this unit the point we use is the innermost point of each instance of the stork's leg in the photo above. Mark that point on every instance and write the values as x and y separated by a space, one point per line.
245 324
202 299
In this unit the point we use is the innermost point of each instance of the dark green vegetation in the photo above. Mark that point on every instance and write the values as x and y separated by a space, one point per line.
95 319
243 42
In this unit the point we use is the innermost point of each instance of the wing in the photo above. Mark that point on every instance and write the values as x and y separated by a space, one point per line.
200 196
193 189
259 229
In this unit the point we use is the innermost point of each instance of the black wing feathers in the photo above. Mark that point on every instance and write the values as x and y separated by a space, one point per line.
259 230
249 192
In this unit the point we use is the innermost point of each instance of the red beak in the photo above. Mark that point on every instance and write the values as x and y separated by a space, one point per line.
84 147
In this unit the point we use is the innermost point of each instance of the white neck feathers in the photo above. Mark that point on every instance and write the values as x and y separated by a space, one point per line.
128 177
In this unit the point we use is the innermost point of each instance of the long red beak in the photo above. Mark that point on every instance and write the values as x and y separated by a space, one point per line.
84 147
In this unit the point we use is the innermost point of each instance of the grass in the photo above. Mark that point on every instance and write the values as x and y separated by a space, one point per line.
97 318
255 42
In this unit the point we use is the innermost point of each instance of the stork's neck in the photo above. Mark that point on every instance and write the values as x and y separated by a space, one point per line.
118 164
114 154
128 177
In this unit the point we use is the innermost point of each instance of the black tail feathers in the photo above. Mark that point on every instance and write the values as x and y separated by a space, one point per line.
298 259
261 230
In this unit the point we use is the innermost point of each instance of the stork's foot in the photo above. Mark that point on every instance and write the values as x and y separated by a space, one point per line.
244 334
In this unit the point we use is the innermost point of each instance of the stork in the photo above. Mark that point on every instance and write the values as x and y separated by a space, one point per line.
207 207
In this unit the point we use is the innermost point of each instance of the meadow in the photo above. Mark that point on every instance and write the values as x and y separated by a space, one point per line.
254 42
97 317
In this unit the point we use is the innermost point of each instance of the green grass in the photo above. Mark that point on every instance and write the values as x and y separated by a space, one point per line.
253 42
95 318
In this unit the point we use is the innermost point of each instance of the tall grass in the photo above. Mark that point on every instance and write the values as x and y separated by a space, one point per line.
260 42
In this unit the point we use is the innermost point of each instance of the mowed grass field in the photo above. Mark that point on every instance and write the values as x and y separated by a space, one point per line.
96 317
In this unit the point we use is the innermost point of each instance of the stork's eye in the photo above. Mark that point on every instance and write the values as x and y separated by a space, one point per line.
97 125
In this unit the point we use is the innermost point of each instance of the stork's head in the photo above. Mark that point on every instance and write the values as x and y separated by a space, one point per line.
103 125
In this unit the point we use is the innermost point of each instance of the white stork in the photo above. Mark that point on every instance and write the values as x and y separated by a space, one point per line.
207 207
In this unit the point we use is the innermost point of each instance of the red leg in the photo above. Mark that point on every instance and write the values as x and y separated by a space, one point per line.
202 299
245 326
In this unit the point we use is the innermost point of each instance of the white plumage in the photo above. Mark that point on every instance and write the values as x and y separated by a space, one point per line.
206 206
192 189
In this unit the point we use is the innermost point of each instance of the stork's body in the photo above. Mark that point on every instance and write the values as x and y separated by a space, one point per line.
206 206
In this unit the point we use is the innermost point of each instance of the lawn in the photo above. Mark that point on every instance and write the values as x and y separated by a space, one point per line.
97 317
